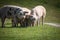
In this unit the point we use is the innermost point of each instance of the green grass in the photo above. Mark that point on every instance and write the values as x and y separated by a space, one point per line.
53 14
30 33
45 32
33 33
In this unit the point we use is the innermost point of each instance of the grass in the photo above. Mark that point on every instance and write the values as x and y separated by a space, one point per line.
53 14
33 33
30 33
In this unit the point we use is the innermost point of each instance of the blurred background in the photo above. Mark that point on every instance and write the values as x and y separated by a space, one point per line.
52 7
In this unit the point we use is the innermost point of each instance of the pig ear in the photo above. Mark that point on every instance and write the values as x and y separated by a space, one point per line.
25 12
19 9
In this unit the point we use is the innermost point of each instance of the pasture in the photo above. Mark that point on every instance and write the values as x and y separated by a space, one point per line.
33 33
29 33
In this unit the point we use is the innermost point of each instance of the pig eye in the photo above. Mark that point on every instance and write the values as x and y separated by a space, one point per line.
24 14
31 16
10 9
20 13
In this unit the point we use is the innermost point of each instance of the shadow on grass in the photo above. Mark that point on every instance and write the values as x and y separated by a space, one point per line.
14 27
8 25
